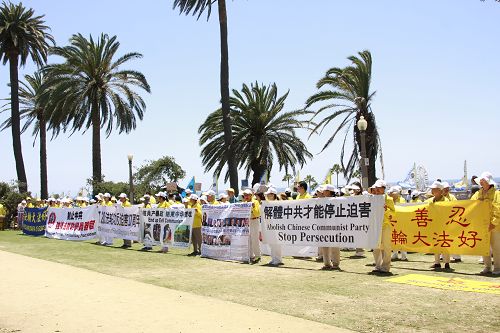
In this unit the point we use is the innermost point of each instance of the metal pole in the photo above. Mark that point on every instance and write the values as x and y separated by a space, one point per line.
131 190
364 161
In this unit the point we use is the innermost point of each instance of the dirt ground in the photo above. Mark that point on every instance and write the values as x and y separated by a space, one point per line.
42 296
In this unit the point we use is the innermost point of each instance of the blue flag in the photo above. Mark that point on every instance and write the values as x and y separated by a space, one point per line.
190 186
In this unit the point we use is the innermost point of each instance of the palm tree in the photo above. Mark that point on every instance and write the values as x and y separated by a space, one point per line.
34 111
261 131
90 90
287 179
197 7
310 180
337 169
22 35
347 99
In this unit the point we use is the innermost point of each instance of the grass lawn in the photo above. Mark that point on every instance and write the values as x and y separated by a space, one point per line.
350 299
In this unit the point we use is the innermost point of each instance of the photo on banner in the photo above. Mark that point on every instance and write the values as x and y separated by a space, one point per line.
225 231
167 227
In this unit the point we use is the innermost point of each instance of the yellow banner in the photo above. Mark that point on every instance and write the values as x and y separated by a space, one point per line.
448 283
453 227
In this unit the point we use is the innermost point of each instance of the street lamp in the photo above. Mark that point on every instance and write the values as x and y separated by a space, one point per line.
131 184
362 126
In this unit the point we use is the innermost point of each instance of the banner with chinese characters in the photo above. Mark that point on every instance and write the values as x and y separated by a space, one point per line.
119 222
225 230
167 227
353 222
72 223
34 220
453 227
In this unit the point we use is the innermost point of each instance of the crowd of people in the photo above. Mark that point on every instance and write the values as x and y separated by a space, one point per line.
484 189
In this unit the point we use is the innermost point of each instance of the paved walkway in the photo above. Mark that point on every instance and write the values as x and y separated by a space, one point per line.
42 296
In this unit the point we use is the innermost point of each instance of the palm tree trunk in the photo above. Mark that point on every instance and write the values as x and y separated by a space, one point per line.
337 180
224 92
16 123
96 144
43 156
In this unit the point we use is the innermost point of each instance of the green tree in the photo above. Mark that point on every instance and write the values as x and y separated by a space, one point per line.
261 130
336 169
90 90
156 173
347 98
198 7
33 101
287 179
310 181
23 35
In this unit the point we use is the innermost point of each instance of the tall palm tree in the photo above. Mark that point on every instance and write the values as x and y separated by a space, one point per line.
336 169
310 180
198 7
347 98
261 131
34 110
90 90
22 35
287 179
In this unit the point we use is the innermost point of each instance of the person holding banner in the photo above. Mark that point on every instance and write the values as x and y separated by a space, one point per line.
438 196
196 229
395 193
489 194
382 254
106 201
125 203
276 257
331 255
451 197
254 226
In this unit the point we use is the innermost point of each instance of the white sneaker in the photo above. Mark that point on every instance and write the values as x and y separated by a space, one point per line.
486 271
394 256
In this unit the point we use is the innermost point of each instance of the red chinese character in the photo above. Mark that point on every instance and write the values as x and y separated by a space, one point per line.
420 238
458 211
91 224
80 226
421 216
464 239
393 222
445 242
86 227
399 238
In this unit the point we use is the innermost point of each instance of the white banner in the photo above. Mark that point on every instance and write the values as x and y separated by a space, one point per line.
170 227
225 231
72 223
353 222
119 222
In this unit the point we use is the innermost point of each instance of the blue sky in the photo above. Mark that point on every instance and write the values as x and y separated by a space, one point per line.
436 70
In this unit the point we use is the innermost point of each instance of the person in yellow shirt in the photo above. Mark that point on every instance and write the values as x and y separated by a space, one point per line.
488 194
395 193
331 255
125 203
438 196
152 199
106 202
162 200
451 197
382 254
196 229
211 198
29 203
254 226
302 190
3 213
